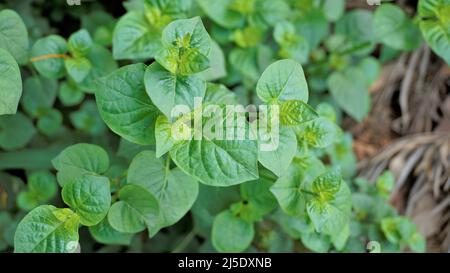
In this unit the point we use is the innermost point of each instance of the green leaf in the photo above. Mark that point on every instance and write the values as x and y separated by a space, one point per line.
136 210
296 112
78 160
124 105
435 26
14 35
219 11
10 186
417 243
246 211
327 184
39 93
333 9
100 25
10 83
289 188
47 229
186 46
78 68
388 54
69 94
350 90
330 206
341 154
49 67
258 192
80 43
104 233
291 45
316 242
283 80
244 61
137 34
41 188
135 38
89 196
362 205
313 26
382 209
283 32
385 183
276 241
399 230
318 133
16 131
340 239
371 68
5 222
102 65
30 159
393 27
283 147
266 13
128 150
327 111
218 161
163 136
230 233
27 200
168 90
430 8
264 56
250 36
294 226
176 192
219 93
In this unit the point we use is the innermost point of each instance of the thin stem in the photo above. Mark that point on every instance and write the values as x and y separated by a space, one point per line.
185 242
49 56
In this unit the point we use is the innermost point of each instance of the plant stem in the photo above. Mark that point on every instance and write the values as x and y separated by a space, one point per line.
185 242
167 169
49 56
308 192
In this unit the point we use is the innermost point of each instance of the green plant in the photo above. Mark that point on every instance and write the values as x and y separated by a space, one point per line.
130 75
374 220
